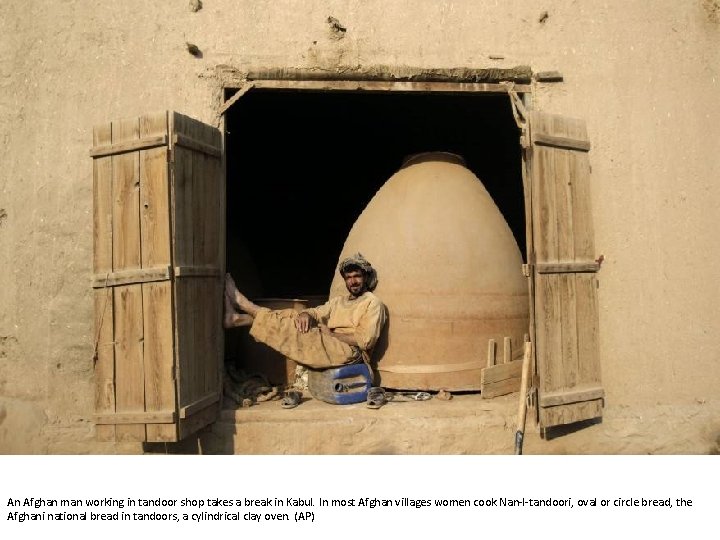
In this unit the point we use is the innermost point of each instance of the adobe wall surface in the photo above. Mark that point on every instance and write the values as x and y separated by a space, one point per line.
646 80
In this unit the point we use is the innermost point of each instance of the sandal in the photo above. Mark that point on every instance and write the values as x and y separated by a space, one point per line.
291 399
409 396
376 397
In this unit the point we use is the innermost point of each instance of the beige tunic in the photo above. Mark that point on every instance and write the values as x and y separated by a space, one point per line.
364 316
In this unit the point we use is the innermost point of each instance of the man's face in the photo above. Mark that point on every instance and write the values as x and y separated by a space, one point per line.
355 282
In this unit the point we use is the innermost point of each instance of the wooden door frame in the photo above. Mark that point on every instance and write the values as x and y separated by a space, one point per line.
519 89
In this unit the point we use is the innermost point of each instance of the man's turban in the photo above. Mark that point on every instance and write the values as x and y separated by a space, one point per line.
359 261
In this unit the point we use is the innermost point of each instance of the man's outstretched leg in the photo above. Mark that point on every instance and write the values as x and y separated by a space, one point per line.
234 302
238 298
278 330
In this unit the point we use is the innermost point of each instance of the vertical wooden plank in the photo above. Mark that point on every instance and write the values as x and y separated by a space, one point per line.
126 198
543 188
154 196
221 250
569 331
105 361
212 336
491 353
549 333
102 203
157 297
587 316
217 257
129 377
183 234
159 361
563 205
209 253
584 235
200 211
183 342
130 390
195 346
206 360
183 217
545 211
200 197
102 263
507 350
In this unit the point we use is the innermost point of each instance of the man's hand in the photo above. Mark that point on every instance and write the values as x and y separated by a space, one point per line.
304 322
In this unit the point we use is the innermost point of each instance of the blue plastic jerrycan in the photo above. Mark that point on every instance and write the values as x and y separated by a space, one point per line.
341 385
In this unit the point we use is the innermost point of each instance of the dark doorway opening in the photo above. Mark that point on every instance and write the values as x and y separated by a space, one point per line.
302 166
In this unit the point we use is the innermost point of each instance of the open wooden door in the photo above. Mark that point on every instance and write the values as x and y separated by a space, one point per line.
159 225
564 273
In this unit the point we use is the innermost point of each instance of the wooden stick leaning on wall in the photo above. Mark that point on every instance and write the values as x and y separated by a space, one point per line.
522 407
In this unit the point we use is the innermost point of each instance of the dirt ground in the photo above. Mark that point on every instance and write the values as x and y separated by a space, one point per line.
467 424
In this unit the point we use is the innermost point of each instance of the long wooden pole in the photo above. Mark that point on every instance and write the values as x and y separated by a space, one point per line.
522 407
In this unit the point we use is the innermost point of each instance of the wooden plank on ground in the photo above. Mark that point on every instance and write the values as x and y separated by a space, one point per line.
501 372
500 388
501 379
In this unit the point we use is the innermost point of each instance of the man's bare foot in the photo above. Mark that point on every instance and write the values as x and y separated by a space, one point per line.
233 319
240 300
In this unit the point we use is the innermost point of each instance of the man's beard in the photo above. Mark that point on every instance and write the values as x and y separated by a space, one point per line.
360 292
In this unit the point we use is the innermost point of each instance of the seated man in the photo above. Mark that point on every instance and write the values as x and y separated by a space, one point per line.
342 331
